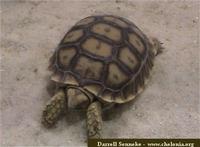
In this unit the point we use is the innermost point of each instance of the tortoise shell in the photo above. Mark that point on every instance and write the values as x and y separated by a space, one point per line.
108 56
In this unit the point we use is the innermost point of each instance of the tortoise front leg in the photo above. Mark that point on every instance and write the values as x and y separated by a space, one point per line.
53 110
94 120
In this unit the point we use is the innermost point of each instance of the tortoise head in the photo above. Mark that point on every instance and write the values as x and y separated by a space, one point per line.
78 98
156 45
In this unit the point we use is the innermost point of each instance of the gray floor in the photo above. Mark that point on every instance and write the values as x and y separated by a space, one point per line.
169 106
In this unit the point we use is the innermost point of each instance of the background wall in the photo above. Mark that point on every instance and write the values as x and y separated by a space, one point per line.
30 30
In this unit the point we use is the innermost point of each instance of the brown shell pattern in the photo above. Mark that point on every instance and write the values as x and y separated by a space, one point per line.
107 55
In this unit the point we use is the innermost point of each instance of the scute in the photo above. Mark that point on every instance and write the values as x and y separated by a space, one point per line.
106 55
116 20
97 47
95 89
107 31
73 36
65 55
128 58
138 32
65 78
115 76
70 79
85 21
136 42
107 96
88 68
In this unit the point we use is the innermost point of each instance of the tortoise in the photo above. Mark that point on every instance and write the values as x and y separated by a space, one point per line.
101 61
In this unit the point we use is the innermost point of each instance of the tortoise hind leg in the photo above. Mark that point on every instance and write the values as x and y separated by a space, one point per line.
54 109
94 120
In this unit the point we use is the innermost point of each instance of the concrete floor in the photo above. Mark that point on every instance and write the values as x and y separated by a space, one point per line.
169 106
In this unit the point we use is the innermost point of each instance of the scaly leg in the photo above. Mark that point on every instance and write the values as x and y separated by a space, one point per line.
54 109
94 120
